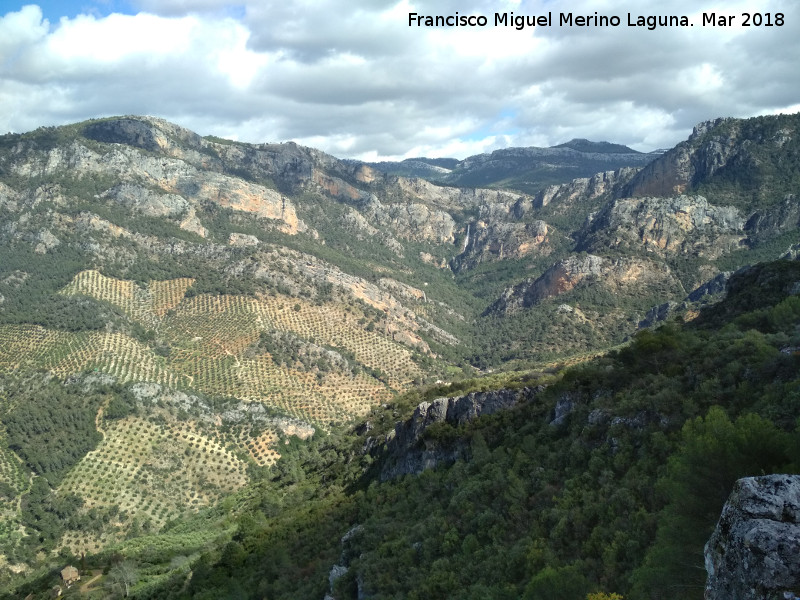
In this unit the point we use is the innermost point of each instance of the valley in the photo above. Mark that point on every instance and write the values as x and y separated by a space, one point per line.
206 345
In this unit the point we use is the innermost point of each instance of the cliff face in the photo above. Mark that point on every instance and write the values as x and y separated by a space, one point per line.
678 225
728 155
752 554
498 240
177 173
692 213
621 276
676 171
409 451
585 188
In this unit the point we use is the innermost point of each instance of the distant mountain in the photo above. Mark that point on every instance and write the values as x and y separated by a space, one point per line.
431 169
523 169
584 145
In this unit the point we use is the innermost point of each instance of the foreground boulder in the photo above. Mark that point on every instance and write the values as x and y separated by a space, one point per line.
753 552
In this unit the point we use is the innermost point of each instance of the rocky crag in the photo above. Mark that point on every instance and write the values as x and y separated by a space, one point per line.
753 552
410 451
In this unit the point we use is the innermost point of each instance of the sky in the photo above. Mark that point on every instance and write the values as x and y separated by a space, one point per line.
352 78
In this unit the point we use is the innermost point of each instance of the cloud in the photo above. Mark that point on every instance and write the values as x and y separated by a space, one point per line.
353 79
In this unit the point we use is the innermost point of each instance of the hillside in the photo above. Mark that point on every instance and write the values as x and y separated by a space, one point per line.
183 319
608 476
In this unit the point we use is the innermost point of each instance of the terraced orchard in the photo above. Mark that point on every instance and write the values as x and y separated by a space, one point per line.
65 353
151 473
144 305
173 450
211 343
261 447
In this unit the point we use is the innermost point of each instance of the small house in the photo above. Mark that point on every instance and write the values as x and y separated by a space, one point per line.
70 575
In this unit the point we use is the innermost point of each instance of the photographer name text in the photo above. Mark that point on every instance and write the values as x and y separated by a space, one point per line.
651 22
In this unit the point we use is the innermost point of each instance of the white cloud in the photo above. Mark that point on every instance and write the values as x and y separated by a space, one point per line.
352 78
117 37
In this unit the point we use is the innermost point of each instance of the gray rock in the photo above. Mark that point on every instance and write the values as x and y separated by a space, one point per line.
336 572
792 253
47 241
710 288
563 409
711 291
147 201
618 276
501 240
672 225
407 454
130 131
340 569
658 314
585 188
598 416
242 240
776 219
753 552
705 126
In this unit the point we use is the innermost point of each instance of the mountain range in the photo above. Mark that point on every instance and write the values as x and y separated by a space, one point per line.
525 169
189 325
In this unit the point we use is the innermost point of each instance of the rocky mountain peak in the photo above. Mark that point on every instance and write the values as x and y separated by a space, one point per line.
584 145
726 154
705 126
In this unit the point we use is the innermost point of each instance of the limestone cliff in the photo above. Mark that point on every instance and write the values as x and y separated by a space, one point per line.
493 241
679 225
620 275
708 149
177 172
744 162
585 188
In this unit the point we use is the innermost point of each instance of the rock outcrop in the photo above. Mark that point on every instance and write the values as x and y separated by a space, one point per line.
584 188
708 149
687 225
414 221
410 452
341 568
487 242
753 553
618 275
779 218
176 173
711 291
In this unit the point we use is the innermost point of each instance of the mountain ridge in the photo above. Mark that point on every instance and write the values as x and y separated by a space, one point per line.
526 169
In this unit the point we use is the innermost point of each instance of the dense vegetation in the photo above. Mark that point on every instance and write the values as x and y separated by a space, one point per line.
52 426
